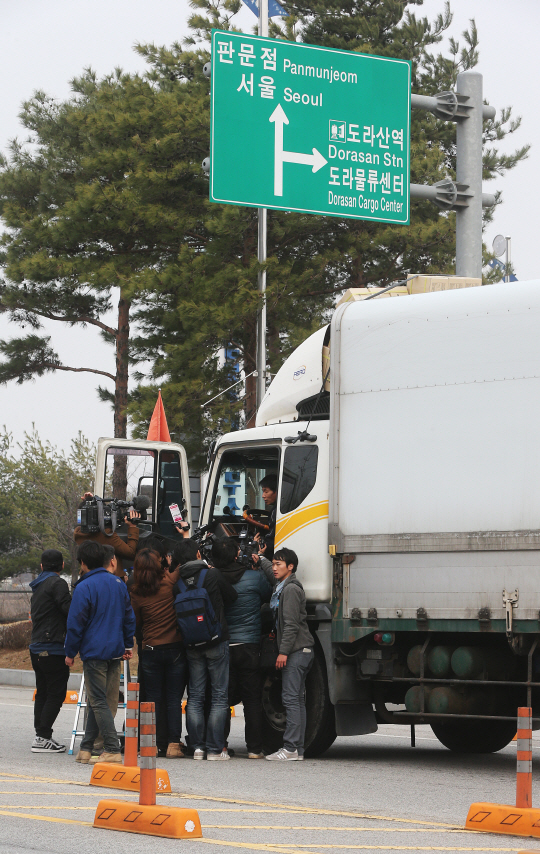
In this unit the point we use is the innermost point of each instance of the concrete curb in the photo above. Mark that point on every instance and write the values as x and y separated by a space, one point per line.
27 678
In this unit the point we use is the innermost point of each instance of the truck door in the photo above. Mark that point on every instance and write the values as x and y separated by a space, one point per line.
302 515
158 470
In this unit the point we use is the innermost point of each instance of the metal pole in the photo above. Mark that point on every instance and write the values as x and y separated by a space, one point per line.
508 259
469 172
261 257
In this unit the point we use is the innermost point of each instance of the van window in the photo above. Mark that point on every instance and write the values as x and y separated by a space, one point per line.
299 476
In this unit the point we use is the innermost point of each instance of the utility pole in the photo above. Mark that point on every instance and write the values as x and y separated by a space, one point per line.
261 257
465 107
469 173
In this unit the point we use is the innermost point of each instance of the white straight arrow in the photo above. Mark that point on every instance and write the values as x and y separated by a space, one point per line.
315 160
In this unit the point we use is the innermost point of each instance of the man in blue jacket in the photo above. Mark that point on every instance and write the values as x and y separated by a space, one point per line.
244 621
100 627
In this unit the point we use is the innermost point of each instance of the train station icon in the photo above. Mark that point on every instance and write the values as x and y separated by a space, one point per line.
337 131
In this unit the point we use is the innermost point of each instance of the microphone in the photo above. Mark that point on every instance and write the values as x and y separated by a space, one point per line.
141 502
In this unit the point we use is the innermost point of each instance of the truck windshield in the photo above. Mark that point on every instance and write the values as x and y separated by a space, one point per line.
237 484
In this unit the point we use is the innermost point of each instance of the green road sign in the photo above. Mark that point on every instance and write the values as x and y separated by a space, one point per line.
306 128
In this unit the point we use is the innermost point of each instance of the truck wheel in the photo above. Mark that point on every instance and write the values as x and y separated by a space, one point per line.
475 736
320 725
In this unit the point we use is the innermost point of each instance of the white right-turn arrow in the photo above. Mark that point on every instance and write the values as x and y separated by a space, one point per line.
315 160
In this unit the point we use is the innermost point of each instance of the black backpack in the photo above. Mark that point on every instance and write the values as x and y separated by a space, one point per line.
195 614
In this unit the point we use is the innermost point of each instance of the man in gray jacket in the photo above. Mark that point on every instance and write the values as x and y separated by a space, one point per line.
295 645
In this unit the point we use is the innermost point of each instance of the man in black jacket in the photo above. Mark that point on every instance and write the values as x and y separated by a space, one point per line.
49 608
209 663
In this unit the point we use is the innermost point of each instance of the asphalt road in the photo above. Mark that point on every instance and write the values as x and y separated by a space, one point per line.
368 793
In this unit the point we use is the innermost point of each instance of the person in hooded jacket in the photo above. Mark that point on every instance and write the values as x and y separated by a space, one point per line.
244 622
295 645
49 609
209 663
100 627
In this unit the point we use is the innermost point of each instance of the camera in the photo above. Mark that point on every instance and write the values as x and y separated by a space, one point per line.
248 547
95 514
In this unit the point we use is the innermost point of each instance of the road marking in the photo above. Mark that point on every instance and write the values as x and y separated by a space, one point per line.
313 810
273 807
46 818
317 827
276 847
254 826
43 779
293 848
94 794
42 807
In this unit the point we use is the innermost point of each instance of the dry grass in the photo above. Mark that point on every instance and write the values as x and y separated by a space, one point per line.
15 635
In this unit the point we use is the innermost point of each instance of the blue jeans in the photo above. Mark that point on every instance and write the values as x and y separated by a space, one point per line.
98 676
212 664
166 668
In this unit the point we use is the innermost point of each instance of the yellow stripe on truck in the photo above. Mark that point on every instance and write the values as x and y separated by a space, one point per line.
293 522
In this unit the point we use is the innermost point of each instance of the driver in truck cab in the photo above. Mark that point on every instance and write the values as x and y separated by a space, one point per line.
269 487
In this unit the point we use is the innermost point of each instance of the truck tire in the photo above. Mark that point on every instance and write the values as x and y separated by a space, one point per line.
320 725
475 736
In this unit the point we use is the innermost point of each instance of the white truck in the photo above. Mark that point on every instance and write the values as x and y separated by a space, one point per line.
413 502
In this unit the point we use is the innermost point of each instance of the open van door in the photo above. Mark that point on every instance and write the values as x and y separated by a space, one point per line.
158 470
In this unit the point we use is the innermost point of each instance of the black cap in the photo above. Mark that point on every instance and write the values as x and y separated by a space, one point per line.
52 559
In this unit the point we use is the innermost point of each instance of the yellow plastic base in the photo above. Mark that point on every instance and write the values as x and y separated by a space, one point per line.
171 822
112 776
499 818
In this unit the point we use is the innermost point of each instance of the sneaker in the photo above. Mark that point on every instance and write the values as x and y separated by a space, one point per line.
113 758
199 754
83 756
284 755
257 756
300 757
47 745
174 750
222 756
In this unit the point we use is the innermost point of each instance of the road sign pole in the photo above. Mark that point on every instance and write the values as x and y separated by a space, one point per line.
261 256
469 173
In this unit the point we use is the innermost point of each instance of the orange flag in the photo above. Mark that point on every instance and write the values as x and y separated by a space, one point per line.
158 430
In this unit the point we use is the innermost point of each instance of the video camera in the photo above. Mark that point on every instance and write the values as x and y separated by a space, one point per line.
204 538
95 514
248 547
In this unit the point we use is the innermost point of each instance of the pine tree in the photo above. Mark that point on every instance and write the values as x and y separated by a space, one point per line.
99 202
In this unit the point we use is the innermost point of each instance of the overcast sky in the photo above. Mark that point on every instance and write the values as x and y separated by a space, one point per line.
44 45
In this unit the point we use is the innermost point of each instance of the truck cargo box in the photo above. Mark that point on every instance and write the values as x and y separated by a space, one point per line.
435 450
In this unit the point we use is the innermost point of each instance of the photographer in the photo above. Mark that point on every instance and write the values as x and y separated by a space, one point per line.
244 622
122 550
